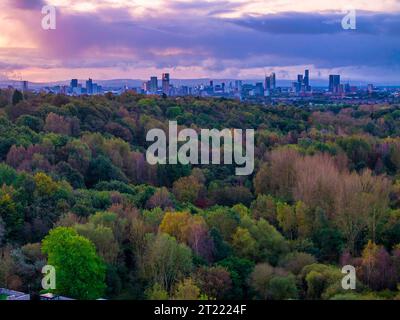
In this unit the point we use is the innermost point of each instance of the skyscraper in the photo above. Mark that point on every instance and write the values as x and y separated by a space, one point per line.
273 81
268 83
95 88
24 86
211 87
153 84
334 83
300 79
74 83
146 86
295 87
89 86
259 89
165 83
238 86
307 79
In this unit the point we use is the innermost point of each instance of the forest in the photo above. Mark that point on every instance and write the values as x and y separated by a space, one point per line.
77 193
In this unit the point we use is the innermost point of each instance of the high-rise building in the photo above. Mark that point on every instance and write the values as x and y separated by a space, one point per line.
334 83
230 87
300 79
268 83
146 86
307 79
24 86
153 84
74 83
273 81
95 88
211 87
295 87
238 86
89 86
165 83
303 82
259 89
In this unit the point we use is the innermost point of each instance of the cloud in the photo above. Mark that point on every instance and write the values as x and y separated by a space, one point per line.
320 23
194 35
204 7
26 4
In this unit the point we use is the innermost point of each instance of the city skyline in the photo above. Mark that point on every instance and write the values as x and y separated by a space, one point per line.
269 81
268 90
199 39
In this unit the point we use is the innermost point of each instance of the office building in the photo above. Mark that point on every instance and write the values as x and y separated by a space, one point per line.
24 86
303 83
89 86
273 81
334 83
296 87
95 89
259 89
146 86
153 85
74 83
300 79
268 83
211 88
165 83
306 79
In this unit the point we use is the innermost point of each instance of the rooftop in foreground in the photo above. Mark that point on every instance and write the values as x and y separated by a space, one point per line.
6 294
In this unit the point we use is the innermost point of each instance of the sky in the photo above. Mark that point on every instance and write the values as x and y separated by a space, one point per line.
235 39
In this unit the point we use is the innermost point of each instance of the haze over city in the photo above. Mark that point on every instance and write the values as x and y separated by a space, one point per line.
233 39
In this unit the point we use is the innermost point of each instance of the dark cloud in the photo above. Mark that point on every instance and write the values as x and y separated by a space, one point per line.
320 23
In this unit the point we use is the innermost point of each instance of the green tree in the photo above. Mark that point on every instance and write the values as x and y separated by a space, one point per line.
187 189
102 169
11 216
187 290
103 238
283 288
80 273
264 207
244 244
287 219
156 292
270 242
166 261
17 97
239 269
318 278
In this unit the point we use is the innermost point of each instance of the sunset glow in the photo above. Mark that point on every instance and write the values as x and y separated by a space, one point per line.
134 38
